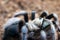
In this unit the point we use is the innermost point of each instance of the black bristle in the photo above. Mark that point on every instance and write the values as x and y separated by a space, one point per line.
20 24
44 14
49 16
26 17
33 16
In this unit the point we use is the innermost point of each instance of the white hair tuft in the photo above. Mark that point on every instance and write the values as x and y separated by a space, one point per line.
20 12
55 15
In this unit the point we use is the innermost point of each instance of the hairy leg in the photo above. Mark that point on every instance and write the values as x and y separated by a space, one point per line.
43 35
24 32
53 33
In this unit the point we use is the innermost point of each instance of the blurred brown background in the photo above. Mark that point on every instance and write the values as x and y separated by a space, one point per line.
8 7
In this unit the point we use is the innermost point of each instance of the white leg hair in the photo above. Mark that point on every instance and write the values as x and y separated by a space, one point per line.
43 35
24 31
53 32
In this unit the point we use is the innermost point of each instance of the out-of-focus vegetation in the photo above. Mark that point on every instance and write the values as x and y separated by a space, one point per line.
9 7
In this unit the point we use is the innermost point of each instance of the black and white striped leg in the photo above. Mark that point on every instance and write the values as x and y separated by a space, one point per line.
53 33
43 35
24 33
